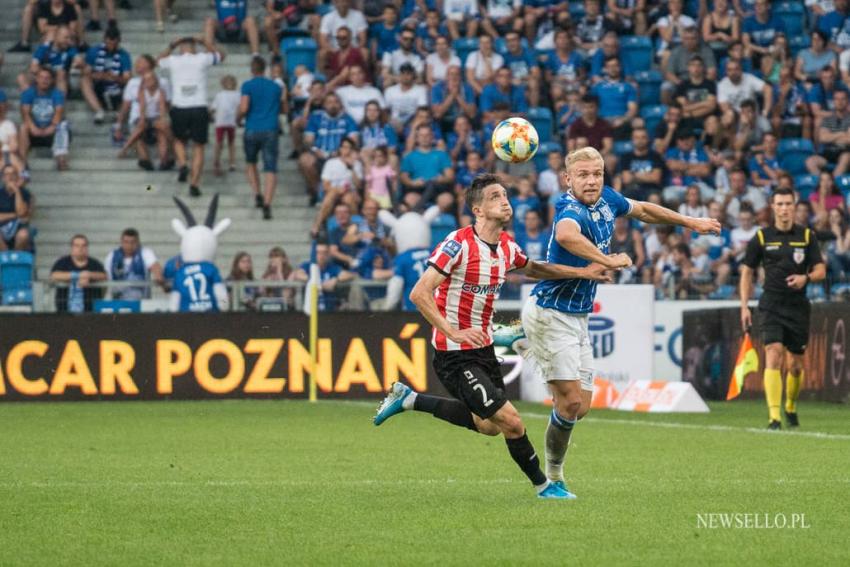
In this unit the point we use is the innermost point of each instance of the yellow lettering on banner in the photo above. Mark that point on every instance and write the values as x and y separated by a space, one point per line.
299 365
173 358
357 368
235 363
259 382
14 362
397 363
117 360
73 371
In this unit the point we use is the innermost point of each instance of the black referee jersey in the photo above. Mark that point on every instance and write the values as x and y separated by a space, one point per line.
783 253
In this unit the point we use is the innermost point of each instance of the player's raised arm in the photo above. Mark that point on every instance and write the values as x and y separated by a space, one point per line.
422 296
569 236
547 271
655 214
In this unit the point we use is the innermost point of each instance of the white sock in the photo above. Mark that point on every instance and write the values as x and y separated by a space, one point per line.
407 403
541 487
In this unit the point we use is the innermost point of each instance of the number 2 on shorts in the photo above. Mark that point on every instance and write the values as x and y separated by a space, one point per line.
470 377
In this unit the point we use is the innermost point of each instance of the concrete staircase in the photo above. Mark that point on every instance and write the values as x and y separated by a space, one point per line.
101 194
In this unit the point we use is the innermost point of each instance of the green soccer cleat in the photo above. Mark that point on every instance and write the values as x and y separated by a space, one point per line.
507 335
792 419
556 491
392 404
774 425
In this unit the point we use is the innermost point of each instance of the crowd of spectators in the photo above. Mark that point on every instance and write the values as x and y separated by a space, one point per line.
397 108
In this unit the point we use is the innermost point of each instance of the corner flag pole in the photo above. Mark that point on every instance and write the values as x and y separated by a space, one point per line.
313 291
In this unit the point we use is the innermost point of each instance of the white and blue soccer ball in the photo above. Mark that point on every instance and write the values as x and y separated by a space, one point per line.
515 140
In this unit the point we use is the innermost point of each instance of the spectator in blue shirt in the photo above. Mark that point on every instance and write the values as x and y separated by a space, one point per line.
375 132
764 167
820 95
759 31
385 34
425 172
687 164
451 98
502 90
836 26
610 48
44 124
446 220
428 31
532 236
564 67
525 200
59 54
330 275
324 132
232 24
468 170
106 72
260 105
617 99
462 140
523 65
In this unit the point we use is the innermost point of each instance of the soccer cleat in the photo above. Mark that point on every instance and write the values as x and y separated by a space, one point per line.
563 485
792 419
507 335
774 425
556 491
392 404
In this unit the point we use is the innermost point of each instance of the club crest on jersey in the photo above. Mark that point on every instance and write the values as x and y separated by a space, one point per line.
451 248
799 255
595 216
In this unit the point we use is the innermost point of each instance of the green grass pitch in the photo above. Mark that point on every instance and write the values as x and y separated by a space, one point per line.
290 483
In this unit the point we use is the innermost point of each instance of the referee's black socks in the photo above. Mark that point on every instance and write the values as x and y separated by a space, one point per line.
446 409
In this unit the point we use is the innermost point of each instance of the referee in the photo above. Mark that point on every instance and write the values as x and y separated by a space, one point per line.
791 259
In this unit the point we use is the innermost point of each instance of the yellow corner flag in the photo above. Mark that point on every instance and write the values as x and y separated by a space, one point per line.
748 361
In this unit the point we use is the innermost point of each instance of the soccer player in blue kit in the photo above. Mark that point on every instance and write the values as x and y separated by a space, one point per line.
555 317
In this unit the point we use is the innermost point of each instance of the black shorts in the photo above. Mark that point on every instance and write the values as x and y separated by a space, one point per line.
786 321
474 377
108 95
191 124
223 35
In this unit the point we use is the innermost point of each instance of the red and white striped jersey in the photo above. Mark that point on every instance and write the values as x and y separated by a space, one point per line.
475 273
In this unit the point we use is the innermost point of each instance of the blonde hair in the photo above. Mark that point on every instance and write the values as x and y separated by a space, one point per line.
228 82
586 153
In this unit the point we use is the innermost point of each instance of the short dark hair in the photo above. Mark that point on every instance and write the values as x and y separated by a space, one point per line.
132 232
683 249
746 208
782 191
590 99
77 236
475 192
749 103
258 65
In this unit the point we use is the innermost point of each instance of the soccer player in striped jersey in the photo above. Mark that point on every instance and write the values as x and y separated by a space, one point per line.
555 317
456 294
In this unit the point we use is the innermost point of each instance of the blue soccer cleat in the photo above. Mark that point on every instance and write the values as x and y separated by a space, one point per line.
392 404
507 335
556 490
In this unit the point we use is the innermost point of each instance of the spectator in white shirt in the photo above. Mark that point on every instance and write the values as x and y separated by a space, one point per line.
339 175
437 64
393 61
404 98
481 65
355 96
148 110
189 113
9 135
462 17
738 87
225 107
501 16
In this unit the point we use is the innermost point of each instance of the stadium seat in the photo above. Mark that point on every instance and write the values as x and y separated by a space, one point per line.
117 306
649 87
299 51
542 155
323 8
799 43
463 46
652 115
793 153
806 185
793 15
843 184
623 147
638 51
16 275
542 120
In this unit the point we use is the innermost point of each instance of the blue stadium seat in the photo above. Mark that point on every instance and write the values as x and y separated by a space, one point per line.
638 51
542 155
649 87
542 120
299 51
843 184
16 274
623 147
806 185
799 43
793 153
793 15
652 115
463 46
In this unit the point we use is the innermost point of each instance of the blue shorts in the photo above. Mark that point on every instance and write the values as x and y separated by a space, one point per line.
265 141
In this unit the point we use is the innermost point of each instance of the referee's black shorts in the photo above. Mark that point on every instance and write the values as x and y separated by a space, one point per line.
191 124
474 377
785 320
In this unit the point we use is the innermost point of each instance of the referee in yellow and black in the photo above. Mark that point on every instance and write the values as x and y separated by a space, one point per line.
791 259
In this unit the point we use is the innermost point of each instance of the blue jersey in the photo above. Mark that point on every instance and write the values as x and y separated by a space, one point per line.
51 56
195 282
597 225
410 266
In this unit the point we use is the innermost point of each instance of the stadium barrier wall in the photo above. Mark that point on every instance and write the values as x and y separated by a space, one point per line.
207 356
711 339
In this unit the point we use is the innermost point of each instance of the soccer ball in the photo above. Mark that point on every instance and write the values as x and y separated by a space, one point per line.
515 140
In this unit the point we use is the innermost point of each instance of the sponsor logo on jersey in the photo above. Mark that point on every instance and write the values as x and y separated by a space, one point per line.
451 248
479 289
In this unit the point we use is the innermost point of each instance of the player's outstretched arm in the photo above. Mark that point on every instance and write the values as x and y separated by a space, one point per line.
422 296
547 271
569 236
655 214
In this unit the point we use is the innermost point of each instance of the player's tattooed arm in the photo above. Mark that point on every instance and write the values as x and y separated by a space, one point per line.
655 214
569 236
